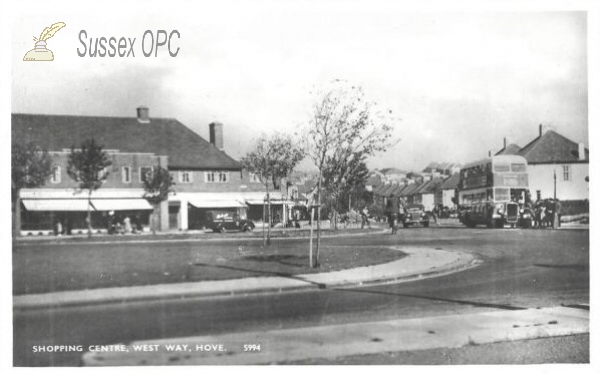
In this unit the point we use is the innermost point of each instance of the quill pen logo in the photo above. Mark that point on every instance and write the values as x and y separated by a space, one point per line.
40 52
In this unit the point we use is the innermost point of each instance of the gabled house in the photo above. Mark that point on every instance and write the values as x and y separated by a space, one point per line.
556 166
446 191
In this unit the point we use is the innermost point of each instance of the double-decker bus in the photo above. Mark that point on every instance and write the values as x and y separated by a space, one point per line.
493 191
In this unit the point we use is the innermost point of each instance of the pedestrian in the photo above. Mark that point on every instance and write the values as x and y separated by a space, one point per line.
365 218
434 214
394 223
127 225
558 211
59 228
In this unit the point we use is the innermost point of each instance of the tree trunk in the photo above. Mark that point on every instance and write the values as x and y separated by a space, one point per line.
264 221
318 222
17 212
269 217
89 214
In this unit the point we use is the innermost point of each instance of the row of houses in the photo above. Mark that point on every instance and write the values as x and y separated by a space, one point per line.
431 192
206 177
557 167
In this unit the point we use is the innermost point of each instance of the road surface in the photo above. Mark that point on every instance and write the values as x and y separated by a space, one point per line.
521 269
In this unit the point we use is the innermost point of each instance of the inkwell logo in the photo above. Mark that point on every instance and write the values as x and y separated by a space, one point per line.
40 52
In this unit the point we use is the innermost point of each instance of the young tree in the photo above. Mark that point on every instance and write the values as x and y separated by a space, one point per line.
158 184
87 166
344 123
31 166
344 174
272 159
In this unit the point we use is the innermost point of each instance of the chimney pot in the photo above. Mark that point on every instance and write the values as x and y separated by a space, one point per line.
216 134
540 130
504 143
143 114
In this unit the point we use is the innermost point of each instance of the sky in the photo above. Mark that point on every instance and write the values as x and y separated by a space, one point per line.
459 80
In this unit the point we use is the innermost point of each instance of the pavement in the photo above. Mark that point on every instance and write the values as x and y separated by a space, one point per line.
333 341
419 263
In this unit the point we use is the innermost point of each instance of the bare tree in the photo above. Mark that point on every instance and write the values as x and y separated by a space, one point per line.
344 124
31 166
87 166
272 159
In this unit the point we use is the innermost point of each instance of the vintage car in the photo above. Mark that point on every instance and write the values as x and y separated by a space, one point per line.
414 214
223 221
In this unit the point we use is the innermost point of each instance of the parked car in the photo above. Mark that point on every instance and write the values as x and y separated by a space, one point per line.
414 214
223 221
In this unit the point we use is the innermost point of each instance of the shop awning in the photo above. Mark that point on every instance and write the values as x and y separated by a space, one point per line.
273 202
57 205
229 203
121 204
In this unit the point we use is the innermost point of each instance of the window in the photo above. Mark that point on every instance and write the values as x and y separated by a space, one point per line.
55 177
216 177
126 174
254 178
185 176
144 170
501 168
103 174
518 168
566 173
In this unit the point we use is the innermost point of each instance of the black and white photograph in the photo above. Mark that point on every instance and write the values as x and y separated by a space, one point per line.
302 184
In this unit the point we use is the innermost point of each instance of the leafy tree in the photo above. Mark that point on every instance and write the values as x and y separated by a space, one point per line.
343 124
343 175
31 166
158 184
87 167
272 159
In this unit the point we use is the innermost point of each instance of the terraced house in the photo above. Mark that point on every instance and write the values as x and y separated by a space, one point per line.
206 176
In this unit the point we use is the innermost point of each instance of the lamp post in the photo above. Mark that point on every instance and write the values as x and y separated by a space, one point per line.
554 184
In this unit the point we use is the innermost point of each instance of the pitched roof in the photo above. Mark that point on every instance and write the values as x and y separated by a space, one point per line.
511 149
161 136
552 147
451 182
410 189
392 171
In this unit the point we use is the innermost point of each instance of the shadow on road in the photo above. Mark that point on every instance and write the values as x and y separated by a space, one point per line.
432 298
262 272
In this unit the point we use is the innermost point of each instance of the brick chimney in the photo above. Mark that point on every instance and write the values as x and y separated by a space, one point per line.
581 151
216 134
143 114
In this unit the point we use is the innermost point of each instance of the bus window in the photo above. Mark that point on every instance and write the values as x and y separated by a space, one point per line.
518 168
501 168
502 194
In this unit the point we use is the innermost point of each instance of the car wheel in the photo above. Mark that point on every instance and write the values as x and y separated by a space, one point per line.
426 224
222 230
248 228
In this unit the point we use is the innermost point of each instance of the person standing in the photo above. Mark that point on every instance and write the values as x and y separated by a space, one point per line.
127 225
365 218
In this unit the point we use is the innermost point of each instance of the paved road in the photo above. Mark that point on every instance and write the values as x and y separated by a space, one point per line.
522 269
